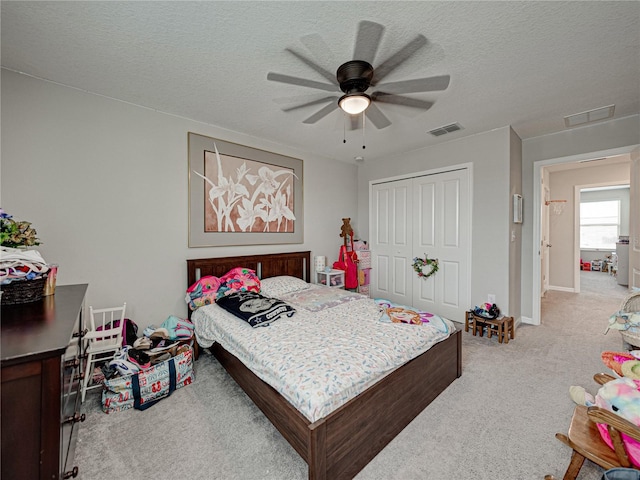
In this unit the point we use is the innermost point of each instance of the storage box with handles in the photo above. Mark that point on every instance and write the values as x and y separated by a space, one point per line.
365 259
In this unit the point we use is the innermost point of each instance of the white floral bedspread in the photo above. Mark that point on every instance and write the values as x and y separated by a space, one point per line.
318 360
316 299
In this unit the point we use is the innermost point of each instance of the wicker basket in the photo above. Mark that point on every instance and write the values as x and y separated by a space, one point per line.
23 291
631 304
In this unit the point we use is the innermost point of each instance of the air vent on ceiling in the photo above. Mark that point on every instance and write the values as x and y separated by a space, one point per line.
595 115
454 127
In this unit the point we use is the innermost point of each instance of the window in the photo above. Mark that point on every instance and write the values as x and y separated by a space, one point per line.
599 224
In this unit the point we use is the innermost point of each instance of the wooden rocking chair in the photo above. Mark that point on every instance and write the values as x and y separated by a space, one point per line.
585 440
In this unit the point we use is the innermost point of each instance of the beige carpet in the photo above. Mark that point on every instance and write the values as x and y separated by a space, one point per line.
496 422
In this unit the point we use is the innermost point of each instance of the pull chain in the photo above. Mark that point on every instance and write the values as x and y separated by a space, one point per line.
344 128
363 126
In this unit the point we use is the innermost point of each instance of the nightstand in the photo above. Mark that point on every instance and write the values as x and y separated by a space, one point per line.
333 278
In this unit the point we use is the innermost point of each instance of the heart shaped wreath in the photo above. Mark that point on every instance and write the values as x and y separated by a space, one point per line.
420 263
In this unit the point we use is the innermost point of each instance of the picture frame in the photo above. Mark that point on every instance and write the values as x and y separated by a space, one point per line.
239 195
517 208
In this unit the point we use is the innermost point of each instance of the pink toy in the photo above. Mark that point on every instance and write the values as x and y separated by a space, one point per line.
622 396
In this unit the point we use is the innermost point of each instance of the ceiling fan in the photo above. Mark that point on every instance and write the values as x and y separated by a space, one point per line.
355 77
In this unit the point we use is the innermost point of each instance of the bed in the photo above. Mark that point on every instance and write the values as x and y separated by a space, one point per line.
341 443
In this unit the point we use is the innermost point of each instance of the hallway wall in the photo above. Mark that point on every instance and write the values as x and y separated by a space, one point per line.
564 228
584 142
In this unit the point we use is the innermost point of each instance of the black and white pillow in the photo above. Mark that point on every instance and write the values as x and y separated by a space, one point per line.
255 309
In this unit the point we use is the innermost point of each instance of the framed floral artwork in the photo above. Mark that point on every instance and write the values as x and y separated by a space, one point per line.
240 195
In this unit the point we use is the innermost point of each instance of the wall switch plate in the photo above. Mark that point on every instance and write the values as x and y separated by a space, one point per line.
491 298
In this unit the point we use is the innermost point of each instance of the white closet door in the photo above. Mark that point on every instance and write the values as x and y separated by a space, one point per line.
441 230
427 215
391 241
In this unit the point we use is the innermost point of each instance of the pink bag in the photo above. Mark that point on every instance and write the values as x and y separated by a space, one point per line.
347 261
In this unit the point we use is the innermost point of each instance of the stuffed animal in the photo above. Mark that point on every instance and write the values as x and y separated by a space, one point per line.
621 396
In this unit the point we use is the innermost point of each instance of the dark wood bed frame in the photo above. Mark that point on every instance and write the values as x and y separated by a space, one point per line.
339 445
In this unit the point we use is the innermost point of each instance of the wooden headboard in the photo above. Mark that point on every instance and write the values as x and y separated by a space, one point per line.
296 264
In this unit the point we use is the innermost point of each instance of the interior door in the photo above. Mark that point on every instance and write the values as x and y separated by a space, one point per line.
391 237
544 242
441 219
429 216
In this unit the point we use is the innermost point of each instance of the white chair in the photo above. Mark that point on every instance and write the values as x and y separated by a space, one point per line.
103 341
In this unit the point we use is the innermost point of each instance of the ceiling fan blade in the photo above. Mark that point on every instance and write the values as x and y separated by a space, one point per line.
367 41
384 97
323 112
303 82
312 102
290 100
375 115
319 49
391 63
325 73
430 84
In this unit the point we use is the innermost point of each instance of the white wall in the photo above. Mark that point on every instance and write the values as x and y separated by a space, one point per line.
489 152
105 185
583 141
562 228
515 239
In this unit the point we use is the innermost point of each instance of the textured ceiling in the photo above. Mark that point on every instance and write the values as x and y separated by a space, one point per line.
524 64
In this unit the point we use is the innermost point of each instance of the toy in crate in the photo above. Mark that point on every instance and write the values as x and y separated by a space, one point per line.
487 310
627 319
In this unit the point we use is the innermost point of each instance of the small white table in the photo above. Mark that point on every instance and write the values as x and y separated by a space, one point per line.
332 278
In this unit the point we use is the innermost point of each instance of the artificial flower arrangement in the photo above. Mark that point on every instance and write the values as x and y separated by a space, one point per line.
16 234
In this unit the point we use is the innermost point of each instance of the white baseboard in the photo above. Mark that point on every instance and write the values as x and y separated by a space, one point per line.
562 289
528 321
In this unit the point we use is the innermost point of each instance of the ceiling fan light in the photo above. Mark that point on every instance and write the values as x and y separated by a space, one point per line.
354 104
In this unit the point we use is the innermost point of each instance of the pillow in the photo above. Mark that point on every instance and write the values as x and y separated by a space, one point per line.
238 279
203 292
255 309
278 286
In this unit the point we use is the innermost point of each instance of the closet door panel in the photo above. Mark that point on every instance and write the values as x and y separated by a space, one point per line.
451 214
382 216
426 292
426 202
400 288
382 239
381 273
391 241
451 280
399 219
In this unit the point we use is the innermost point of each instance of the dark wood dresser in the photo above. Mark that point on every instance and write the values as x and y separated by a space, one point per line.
41 380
